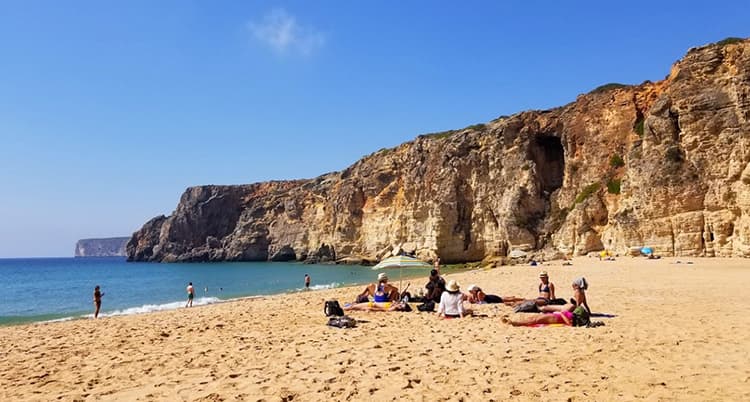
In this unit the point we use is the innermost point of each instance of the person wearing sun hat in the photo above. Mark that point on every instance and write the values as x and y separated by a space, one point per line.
451 302
381 292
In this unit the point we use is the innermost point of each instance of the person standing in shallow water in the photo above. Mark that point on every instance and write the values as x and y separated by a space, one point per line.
307 281
191 294
97 300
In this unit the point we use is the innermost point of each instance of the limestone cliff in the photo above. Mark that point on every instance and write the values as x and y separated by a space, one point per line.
663 164
109 247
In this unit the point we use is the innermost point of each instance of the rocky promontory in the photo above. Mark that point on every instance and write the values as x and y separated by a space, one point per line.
662 164
109 247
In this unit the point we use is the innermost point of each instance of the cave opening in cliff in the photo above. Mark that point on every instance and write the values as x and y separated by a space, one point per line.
548 155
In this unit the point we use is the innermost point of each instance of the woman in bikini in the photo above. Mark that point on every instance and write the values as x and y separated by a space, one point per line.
546 288
383 295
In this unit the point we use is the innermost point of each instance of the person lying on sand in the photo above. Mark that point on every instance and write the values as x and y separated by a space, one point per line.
381 292
565 317
452 302
477 296
377 306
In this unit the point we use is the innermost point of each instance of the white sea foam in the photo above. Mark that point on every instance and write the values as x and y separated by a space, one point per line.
150 308
321 287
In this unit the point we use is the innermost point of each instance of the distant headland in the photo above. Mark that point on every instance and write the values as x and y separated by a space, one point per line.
109 247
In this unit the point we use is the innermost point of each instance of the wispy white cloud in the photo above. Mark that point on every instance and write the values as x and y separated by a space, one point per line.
281 32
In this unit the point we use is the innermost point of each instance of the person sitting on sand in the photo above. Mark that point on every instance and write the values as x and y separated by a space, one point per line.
381 292
451 302
579 292
564 316
546 288
477 296
435 287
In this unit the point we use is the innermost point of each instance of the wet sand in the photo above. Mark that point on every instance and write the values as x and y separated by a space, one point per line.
681 332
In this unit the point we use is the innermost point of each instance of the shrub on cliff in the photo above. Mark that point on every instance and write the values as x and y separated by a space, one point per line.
608 87
587 191
728 41
616 161
613 186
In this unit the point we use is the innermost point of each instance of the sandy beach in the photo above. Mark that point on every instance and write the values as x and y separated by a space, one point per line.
681 332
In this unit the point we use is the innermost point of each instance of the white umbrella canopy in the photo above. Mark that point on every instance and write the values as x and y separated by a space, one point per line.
401 262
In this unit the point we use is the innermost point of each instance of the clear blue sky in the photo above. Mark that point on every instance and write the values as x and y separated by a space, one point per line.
109 110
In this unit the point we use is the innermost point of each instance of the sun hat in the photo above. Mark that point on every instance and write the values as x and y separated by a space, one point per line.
382 277
543 274
472 287
452 286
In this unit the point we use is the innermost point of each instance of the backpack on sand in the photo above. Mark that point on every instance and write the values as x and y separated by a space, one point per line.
342 322
333 308
428 305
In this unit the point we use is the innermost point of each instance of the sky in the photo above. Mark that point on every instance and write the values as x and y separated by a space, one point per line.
109 110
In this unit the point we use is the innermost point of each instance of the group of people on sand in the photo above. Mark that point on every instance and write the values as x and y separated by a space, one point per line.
450 300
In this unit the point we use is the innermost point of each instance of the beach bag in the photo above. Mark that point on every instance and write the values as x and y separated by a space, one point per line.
581 317
333 308
427 306
528 306
342 322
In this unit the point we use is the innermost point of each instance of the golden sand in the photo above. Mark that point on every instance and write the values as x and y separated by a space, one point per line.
682 332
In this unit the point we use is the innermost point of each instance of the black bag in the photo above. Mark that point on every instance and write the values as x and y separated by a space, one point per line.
333 308
529 306
342 322
581 317
427 306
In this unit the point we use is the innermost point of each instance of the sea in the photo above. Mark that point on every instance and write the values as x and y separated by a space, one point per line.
52 289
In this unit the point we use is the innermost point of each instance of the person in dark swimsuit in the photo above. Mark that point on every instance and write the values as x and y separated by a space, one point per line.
547 292
435 287
97 300
477 296
546 288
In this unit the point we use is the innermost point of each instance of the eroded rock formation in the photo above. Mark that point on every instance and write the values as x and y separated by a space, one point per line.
663 164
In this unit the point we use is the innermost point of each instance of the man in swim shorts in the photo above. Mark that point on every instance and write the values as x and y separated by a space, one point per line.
191 294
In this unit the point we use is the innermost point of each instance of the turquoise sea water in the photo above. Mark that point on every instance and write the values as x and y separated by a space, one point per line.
42 289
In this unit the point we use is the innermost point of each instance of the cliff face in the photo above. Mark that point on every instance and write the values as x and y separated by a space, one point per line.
110 247
661 164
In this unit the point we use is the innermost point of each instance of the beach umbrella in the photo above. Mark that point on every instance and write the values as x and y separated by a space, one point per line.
401 262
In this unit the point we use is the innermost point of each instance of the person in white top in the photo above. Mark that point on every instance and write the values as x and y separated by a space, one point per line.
451 302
